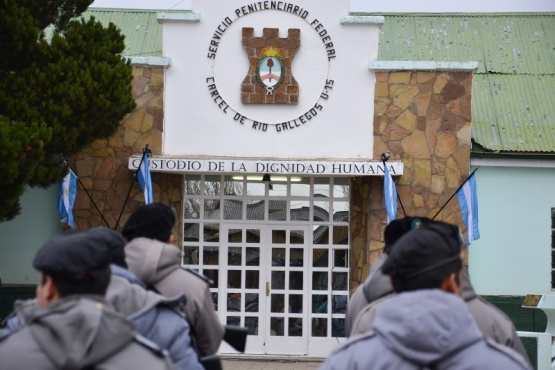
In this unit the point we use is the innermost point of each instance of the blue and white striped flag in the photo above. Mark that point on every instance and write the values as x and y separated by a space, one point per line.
468 200
67 190
390 195
143 176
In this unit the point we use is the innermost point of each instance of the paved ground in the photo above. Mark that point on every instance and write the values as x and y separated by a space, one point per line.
231 363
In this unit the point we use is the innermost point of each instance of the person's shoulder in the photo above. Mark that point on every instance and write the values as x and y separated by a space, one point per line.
14 342
371 308
354 341
139 353
150 346
489 307
351 350
199 276
508 353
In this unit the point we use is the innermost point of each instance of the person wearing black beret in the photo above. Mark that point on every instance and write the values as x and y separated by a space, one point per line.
72 326
377 286
492 322
156 317
151 256
426 324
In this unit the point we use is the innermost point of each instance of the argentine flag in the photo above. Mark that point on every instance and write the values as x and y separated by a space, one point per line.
67 190
143 176
390 195
468 200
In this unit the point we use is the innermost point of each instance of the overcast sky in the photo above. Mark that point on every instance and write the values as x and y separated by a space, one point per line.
373 6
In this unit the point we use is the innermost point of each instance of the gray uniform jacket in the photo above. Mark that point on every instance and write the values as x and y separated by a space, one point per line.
491 321
423 329
158 265
155 317
376 285
78 332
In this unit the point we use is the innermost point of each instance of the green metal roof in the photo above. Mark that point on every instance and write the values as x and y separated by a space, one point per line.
513 92
500 44
143 33
514 112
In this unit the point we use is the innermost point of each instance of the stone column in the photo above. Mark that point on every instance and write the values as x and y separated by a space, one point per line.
423 119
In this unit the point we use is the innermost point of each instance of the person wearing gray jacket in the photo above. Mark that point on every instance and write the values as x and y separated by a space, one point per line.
150 255
72 326
156 317
377 285
369 297
492 322
426 325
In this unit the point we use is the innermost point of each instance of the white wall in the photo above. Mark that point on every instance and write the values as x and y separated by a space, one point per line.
21 238
194 124
513 255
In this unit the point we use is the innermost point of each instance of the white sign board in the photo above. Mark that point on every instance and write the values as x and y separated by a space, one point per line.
245 166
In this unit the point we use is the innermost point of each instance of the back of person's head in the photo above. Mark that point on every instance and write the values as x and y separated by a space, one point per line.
153 221
424 257
399 227
115 242
77 262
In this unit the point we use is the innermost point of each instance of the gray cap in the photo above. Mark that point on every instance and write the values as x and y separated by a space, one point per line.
75 256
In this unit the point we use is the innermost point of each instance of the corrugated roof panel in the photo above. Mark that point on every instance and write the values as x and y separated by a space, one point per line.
484 122
499 43
143 33
514 113
517 45
425 38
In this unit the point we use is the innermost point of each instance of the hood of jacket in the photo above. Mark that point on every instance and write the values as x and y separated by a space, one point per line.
377 284
129 297
79 331
151 260
426 325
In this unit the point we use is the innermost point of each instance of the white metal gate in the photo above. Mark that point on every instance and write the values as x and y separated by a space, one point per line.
266 279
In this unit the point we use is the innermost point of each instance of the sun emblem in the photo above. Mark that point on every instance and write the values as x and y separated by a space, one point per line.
270 69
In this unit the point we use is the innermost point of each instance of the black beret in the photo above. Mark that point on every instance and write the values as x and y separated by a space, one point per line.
74 255
432 245
398 227
153 221
115 242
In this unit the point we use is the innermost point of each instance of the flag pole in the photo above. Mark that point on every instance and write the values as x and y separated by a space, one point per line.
145 149
455 193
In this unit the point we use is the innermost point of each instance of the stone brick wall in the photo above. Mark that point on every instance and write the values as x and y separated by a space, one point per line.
102 167
423 119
